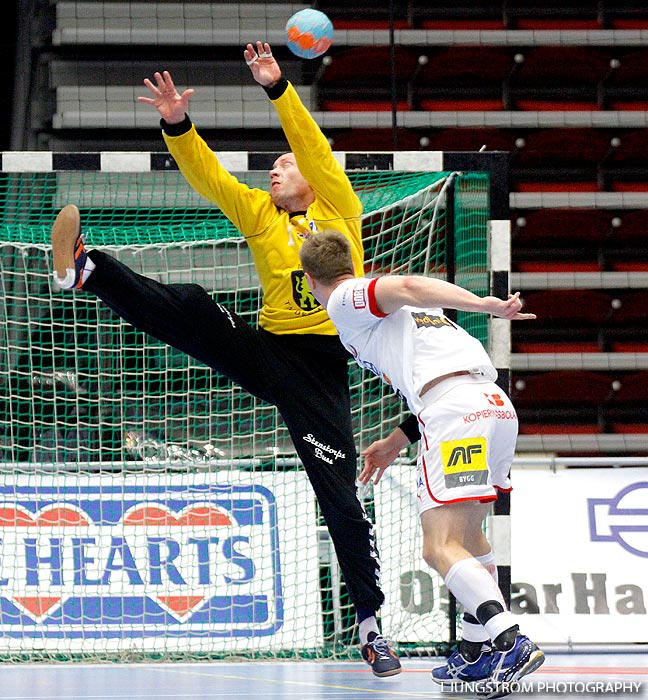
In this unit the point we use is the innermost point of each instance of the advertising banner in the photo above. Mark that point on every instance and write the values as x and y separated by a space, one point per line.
580 554
203 562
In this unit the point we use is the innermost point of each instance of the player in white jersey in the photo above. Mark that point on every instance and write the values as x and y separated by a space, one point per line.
395 327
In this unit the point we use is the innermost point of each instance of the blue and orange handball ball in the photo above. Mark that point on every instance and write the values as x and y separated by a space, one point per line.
309 33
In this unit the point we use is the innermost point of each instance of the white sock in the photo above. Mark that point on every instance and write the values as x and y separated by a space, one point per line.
475 631
489 563
500 623
67 282
369 624
472 585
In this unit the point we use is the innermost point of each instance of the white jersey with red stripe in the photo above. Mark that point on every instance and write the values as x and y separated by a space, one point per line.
407 348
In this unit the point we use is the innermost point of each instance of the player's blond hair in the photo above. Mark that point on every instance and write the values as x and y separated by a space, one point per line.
326 256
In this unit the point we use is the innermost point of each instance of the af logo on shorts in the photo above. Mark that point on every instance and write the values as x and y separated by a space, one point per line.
464 462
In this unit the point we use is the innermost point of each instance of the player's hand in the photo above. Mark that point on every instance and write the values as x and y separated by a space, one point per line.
166 99
509 309
264 67
377 457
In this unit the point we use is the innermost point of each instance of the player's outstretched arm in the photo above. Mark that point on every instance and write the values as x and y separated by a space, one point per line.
312 150
264 67
171 105
394 291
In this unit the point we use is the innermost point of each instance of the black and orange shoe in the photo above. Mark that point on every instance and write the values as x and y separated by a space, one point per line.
380 657
69 257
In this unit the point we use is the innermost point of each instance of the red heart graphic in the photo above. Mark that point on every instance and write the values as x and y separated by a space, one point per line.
15 516
195 516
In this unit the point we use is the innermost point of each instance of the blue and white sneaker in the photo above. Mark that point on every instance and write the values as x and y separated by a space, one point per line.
522 658
69 258
458 670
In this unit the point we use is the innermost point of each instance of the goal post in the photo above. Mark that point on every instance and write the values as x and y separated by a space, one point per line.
149 507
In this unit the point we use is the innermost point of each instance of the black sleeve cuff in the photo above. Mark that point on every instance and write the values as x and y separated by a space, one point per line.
277 90
410 427
176 129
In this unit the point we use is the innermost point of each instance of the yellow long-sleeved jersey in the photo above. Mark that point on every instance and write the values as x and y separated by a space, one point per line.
273 235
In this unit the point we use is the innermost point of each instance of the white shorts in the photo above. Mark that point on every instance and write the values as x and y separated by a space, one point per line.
469 429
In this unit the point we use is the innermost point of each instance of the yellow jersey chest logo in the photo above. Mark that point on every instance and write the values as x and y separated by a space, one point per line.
302 295
300 227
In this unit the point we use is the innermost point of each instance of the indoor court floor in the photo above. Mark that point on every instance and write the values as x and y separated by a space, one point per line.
573 675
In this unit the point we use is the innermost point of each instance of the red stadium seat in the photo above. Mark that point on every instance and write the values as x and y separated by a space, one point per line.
456 14
625 14
376 140
629 427
569 320
628 242
633 389
559 77
551 238
467 139
563 226
557 347
552 14
561 402
371 63
627 85
584 321
556 239
560 159
359 79
627 167
630 229
572 387
362 14
628 410
626 248
464 78
570 308
527 428
633 309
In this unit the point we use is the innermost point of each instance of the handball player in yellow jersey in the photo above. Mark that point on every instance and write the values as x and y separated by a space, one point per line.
294 360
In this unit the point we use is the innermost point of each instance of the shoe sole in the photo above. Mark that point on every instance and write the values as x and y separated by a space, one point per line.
386 674
65 231
535 661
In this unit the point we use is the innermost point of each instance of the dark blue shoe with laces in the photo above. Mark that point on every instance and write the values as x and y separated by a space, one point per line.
380 657
507 667
69 257
458 670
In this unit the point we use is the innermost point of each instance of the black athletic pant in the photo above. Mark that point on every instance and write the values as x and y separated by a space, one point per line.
304 376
